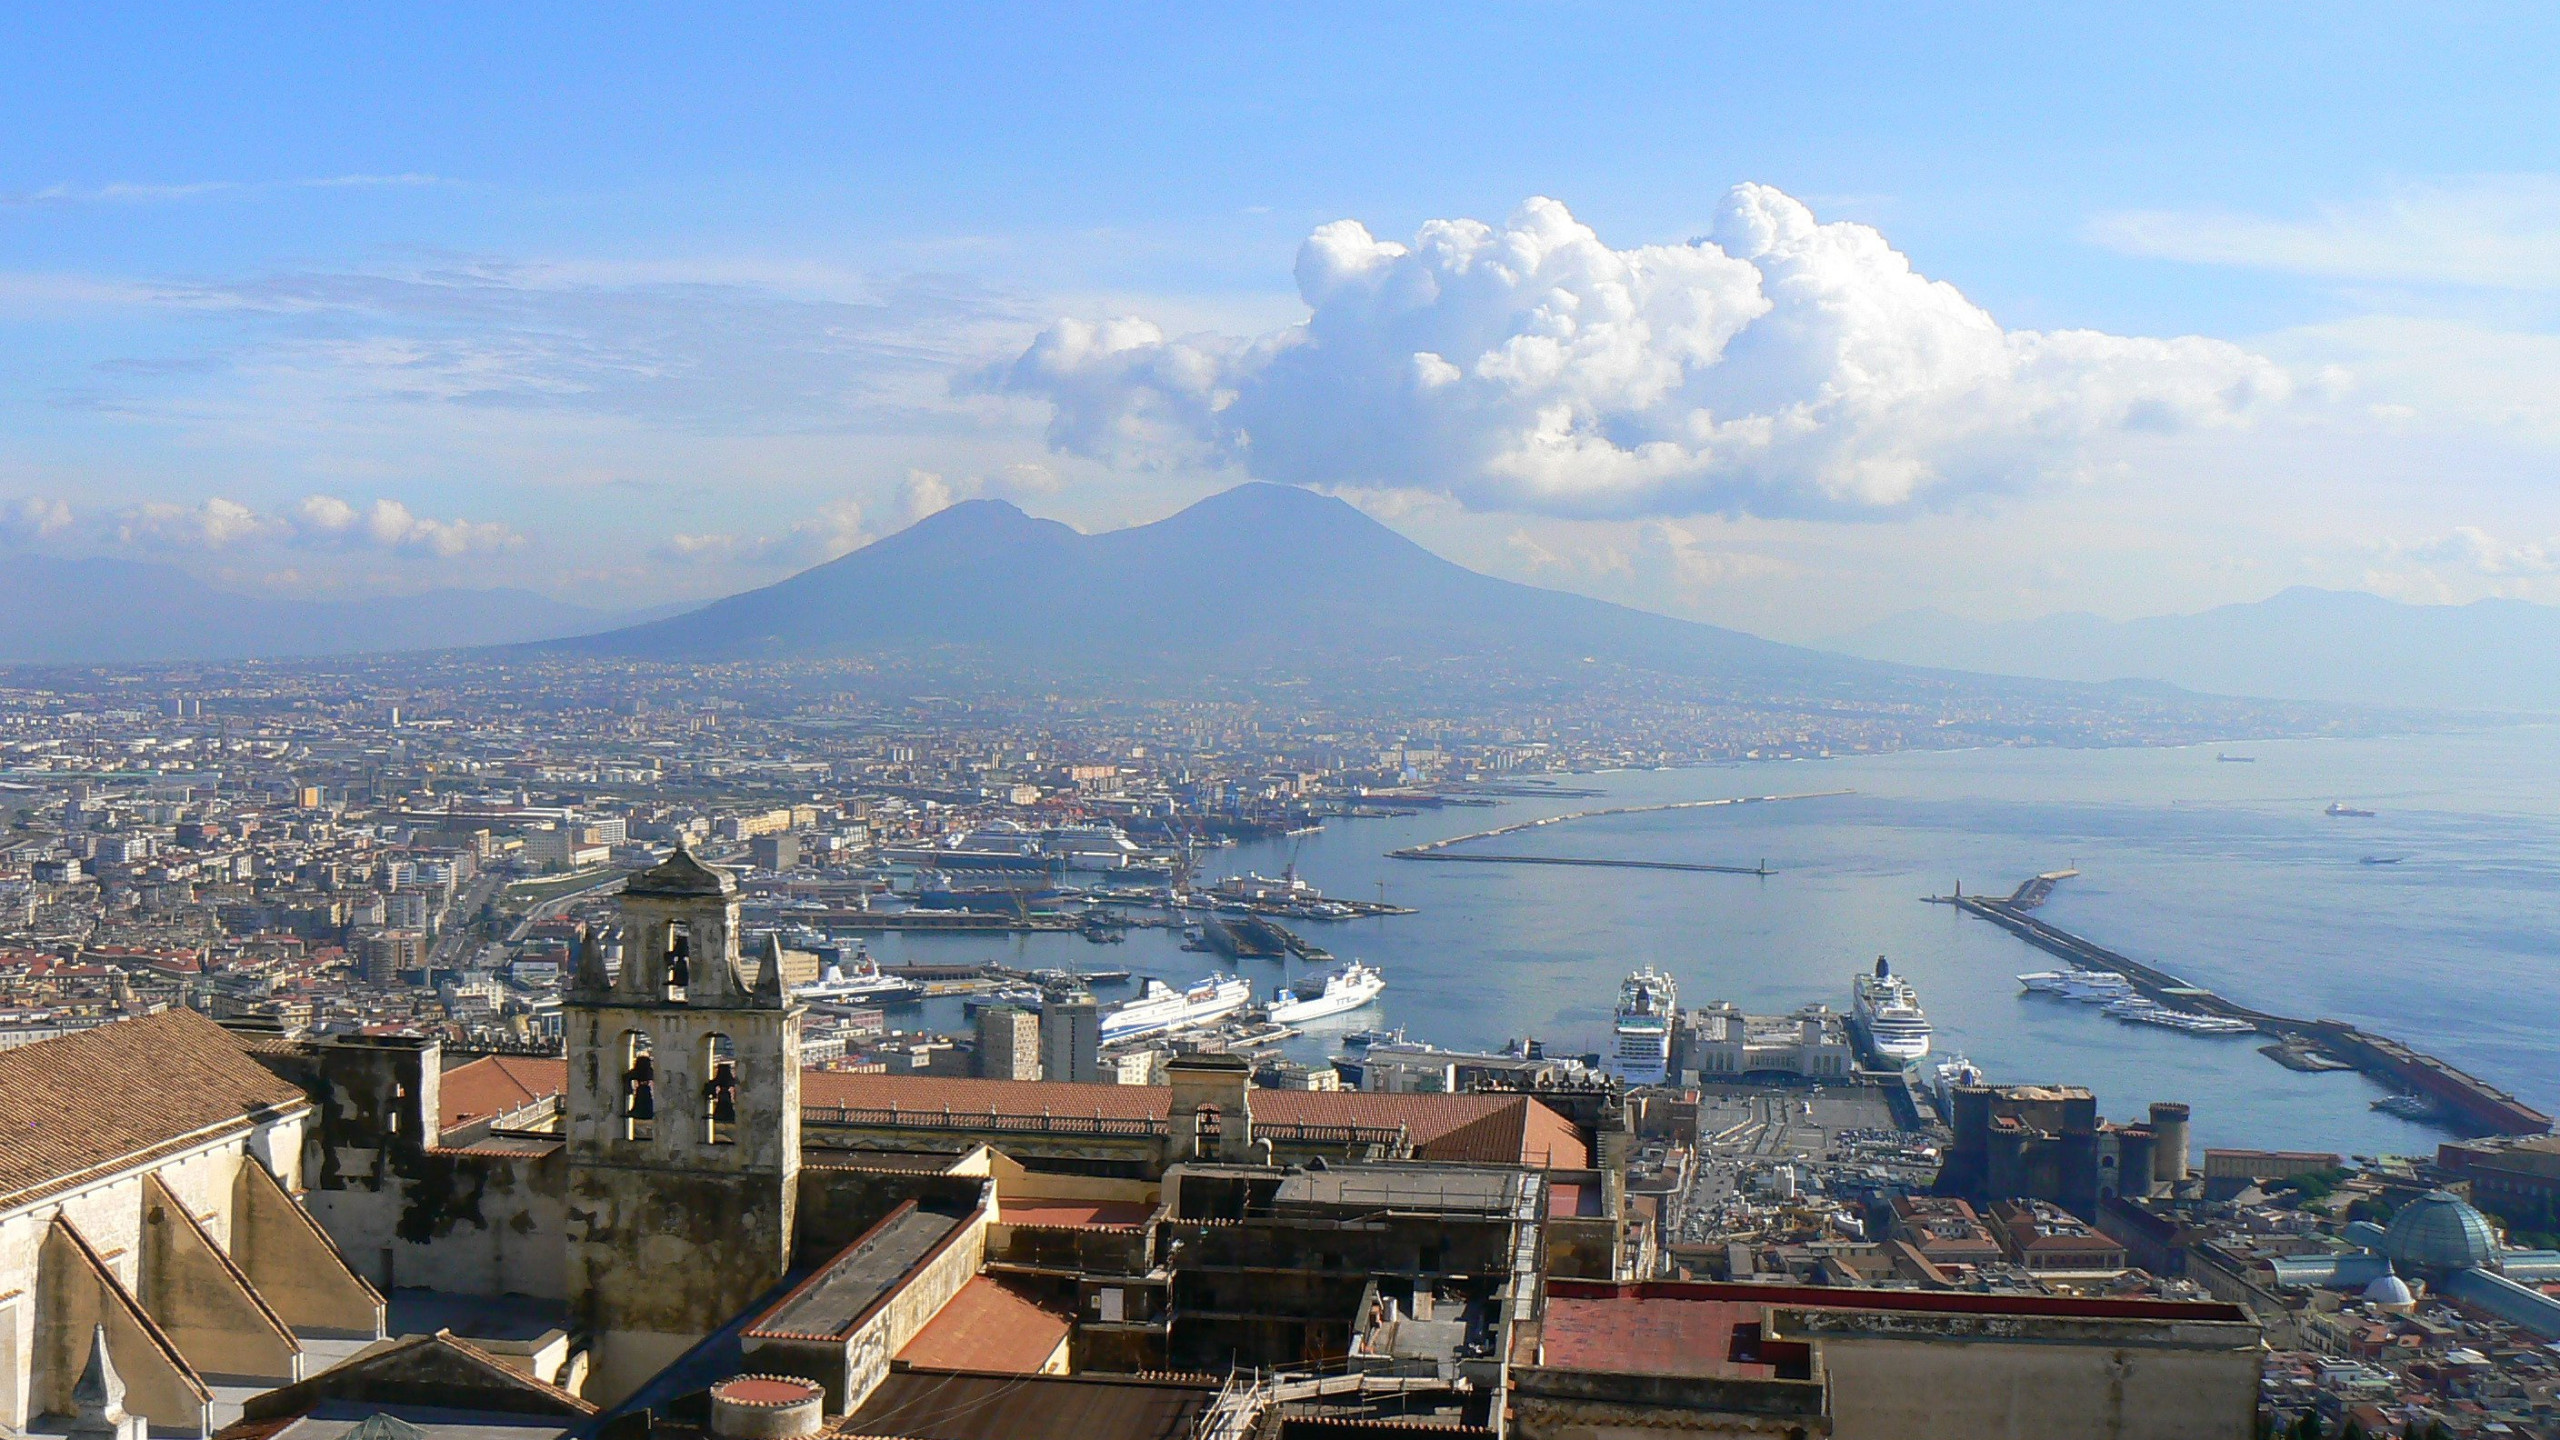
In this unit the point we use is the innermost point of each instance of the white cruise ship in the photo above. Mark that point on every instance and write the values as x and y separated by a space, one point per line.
1160 1008
1886 1014
863 984
1647 1005
1350 988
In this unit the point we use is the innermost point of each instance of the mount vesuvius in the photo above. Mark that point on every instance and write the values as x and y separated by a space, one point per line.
1261 580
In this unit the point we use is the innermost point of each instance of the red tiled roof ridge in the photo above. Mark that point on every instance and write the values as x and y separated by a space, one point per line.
1496 1127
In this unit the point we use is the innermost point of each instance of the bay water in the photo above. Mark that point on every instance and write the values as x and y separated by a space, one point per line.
2228 873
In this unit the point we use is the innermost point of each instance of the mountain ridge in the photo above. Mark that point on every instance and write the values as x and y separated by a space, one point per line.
1253 576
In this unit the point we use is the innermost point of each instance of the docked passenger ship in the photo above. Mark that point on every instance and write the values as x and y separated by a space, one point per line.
1886 1014
1648 1004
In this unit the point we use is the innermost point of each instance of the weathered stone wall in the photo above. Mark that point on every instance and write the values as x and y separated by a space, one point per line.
1584 1405
202 1301
77 1292
471 1224
1889 1389
839 1205
1582 1248
296 1267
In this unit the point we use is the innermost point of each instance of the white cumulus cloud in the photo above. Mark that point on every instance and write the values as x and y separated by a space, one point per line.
834 530
33 518
1782 366
390 525
220 523
210 525
929 492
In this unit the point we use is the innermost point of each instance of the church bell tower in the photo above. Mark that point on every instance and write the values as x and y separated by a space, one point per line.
683 1126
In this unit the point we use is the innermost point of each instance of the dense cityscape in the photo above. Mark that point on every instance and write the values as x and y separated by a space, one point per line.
411 893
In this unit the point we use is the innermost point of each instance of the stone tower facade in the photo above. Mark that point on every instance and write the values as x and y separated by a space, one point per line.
683 1123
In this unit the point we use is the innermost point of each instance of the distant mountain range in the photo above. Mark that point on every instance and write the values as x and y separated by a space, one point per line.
1261 580
125 612
1271 584
2303 644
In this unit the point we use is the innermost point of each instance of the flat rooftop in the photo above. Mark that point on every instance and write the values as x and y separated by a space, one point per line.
830 1303
1387 1188
1075 1214
1944 1302
946 1406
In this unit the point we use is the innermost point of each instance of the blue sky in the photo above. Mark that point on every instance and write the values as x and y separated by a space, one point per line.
625 303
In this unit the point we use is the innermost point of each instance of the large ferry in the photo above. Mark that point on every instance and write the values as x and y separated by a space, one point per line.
1886 1014
1350 988
1647 1005
1160 1008
861 984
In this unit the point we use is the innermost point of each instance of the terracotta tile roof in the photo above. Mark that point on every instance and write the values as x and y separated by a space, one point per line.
97 1099
496 1084
1647 1336
933 1093
988 1326
1484 1129
1458 1129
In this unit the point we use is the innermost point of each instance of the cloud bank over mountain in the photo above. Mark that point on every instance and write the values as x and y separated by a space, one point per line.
1780 366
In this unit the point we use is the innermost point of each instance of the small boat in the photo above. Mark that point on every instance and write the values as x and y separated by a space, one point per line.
2341 810
2382 859
2236 759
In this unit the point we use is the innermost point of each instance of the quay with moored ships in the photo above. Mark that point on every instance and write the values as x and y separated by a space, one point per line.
2463 1097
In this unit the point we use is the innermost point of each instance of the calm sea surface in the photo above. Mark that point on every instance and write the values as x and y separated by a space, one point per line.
2227 874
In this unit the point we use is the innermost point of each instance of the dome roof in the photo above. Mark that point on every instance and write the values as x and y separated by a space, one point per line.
2389 1291
2438 1232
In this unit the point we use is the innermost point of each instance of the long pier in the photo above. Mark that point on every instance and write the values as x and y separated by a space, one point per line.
1760 869
2468 1098
1440 849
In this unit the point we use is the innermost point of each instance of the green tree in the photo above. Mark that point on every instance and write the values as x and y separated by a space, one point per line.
2306 1426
